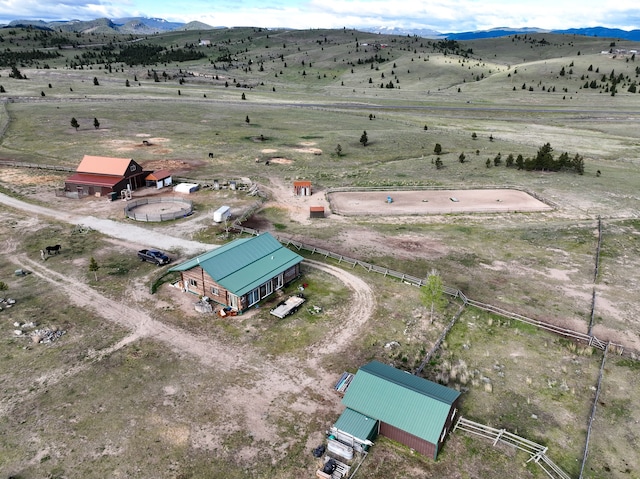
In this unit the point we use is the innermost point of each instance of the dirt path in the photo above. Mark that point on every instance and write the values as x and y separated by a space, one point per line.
361 309
124 231
278 377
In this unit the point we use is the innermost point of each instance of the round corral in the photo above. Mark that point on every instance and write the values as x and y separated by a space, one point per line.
158 209
416 202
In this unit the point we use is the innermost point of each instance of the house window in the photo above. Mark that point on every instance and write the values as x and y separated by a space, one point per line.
234 301
279 281
193 282
215 291
253 297
132 168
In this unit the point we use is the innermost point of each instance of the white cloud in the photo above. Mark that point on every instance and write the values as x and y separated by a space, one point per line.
441 15
48 10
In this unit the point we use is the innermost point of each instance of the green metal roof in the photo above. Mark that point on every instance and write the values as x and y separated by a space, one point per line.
358 425
244 264
413 404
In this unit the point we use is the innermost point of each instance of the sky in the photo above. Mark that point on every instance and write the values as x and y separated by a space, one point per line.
444 16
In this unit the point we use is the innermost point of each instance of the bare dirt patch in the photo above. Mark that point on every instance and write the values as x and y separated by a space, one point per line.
313 151
18 177
280 161
433 202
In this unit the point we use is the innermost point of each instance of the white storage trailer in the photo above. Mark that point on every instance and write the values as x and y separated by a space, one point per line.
221 214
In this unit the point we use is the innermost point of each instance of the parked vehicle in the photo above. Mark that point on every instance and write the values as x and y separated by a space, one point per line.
221 214
153 256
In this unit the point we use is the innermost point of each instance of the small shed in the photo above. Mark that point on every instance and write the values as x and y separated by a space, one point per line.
186 188
159 179
408 409
302 188
316 211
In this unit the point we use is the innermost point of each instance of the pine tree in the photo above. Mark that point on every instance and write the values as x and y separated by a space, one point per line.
74 123
96 123
364 139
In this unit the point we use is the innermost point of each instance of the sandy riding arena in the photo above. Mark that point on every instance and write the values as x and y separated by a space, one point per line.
433 202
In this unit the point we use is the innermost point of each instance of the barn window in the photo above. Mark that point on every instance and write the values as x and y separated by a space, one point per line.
193 282
132 168
215 291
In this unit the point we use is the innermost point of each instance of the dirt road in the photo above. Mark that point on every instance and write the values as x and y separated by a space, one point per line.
279 376
124 231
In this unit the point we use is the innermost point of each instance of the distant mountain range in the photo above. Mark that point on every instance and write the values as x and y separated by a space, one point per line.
603 32
144 25
137 25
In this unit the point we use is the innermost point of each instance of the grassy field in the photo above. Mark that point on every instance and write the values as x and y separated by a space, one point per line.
261 95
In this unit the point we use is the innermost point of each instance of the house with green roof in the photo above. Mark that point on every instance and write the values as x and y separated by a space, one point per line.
240 273
411 410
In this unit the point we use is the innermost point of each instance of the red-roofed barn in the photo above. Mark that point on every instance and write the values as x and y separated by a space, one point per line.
101 175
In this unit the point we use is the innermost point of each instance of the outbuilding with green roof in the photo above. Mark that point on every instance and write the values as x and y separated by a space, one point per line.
414 411
240 273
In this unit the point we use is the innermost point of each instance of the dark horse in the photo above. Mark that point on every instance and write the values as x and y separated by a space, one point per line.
53 249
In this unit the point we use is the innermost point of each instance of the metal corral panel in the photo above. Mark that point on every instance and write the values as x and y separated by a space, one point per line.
341 449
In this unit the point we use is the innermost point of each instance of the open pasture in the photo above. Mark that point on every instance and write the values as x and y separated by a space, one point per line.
290 98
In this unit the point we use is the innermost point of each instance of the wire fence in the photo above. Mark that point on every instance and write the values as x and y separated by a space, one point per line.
595 276
593 411
590 339
22 164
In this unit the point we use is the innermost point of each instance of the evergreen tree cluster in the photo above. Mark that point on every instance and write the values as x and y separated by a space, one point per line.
544 161
26 57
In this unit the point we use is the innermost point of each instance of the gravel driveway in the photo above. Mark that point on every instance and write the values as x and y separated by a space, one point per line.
124 231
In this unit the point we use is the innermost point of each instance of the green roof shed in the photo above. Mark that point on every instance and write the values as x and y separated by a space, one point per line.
411 410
